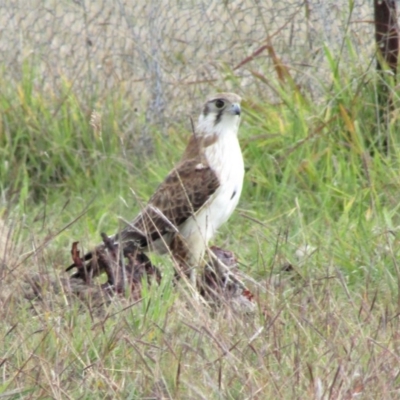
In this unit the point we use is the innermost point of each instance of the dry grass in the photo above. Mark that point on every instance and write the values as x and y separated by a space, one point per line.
316 234
310 338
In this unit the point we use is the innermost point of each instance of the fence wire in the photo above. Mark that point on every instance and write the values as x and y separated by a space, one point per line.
161 50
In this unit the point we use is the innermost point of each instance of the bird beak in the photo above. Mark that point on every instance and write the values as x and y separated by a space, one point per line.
235 109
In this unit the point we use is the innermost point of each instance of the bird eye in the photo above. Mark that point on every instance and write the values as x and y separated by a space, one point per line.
219 103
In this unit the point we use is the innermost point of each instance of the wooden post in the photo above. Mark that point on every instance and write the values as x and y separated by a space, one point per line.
387 43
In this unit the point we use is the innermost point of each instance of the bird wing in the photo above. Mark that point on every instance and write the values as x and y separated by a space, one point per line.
186 189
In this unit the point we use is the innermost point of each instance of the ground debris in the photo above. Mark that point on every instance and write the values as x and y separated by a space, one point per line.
126 268
221 283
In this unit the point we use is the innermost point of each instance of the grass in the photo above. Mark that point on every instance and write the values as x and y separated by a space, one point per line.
319 195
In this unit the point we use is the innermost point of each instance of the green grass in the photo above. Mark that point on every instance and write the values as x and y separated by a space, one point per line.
315 177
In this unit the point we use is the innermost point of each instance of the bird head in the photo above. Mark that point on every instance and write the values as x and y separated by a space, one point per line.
220 115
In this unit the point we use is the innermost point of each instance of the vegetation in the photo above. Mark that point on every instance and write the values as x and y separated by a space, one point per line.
319 196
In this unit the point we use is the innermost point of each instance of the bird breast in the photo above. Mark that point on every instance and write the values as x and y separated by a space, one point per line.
225 158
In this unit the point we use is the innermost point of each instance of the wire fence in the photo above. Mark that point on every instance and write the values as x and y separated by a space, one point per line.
160 50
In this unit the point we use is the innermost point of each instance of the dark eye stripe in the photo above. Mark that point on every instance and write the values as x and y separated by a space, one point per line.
218 117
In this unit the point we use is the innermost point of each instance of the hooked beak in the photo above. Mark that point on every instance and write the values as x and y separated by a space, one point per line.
235 109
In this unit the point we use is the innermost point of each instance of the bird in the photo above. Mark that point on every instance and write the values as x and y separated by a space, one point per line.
198 195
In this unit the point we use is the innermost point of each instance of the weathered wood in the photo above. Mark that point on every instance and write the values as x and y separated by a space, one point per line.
386 34
387 44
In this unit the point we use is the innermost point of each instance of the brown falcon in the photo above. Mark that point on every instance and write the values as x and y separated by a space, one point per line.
197 196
